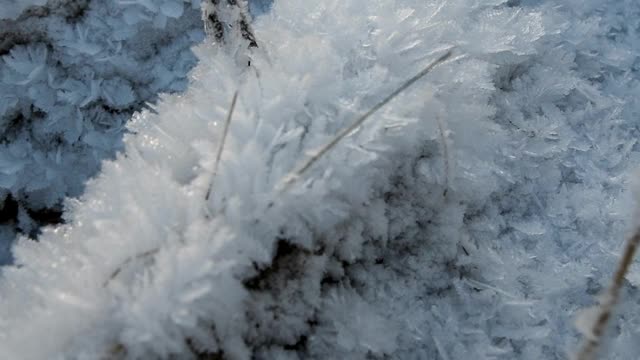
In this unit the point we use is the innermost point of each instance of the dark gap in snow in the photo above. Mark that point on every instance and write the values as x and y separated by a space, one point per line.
47 216
299 346
284 254
204 354
76 10
273 305
8 210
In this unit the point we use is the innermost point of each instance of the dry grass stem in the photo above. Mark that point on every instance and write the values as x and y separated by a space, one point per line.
225 132
445 154
291 178
591 345
129 260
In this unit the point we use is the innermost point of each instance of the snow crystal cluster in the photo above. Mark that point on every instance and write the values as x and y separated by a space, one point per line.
473 214
72 72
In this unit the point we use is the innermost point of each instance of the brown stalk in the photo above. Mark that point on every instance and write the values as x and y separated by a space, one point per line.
591 345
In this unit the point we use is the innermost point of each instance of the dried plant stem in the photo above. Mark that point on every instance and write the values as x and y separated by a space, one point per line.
291 178
445 155
129 260
154 251
225 132
590 347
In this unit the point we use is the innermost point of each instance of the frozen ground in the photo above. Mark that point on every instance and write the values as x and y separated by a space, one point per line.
473 215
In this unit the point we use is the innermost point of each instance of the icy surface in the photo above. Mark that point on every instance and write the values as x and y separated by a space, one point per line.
72 72
475 214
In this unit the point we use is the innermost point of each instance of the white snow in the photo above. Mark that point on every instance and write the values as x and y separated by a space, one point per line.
474 214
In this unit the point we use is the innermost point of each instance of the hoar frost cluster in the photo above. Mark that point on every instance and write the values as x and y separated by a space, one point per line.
72 73
474 214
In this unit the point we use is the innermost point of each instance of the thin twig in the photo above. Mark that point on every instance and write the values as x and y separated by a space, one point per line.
591 345
225 131
291 178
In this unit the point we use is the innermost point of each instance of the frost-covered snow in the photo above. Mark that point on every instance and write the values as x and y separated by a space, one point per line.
473 215
72 72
